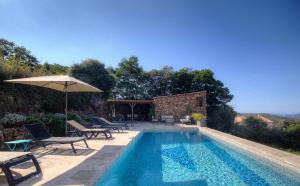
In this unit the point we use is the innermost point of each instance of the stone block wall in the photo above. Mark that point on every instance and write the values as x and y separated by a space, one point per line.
10 134
180 105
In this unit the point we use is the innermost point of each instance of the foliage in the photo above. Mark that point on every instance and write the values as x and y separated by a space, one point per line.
182 81
130 84
222 119
8 50
33 119
286 136
255 128
151 112
73 116
217 94
54 69
94 72
159 82
55 124
292 130
12 119
134 83
3 74
197 116
12 68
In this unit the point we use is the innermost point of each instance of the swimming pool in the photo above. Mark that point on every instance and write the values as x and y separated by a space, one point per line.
190 158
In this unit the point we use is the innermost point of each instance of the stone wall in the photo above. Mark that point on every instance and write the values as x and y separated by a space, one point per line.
180 105
10 134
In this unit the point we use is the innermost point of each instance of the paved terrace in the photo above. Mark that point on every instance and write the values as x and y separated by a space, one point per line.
61 167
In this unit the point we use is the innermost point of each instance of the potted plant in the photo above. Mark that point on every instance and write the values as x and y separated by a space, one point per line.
198 117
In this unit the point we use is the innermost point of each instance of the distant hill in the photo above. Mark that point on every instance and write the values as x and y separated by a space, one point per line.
293 116
272 117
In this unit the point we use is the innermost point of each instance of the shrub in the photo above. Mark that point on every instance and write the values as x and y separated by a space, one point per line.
73 116
56 122
255 128
293 135
222 119
197 116
10 120
33 119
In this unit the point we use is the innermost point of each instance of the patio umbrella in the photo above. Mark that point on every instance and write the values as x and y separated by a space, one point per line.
61 83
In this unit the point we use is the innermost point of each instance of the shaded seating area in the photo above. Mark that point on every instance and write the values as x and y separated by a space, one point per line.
10 159
130 110
41 136
81 130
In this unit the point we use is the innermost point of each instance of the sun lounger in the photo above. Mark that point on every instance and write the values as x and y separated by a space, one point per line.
125 125
10 159
80 130
98 123
40 135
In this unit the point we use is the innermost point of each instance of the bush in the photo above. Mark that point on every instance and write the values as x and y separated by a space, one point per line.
256 128
56 122
293 135
73 116
33 120
222 119
10 120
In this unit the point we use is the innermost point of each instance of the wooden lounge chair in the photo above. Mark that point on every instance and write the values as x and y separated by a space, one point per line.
40 135
10 159
80 130
98 123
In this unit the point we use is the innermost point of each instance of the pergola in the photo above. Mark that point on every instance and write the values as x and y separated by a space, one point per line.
131 103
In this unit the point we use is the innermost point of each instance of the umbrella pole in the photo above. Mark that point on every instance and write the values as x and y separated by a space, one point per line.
66 108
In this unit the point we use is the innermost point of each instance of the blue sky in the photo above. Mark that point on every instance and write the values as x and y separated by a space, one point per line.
252 46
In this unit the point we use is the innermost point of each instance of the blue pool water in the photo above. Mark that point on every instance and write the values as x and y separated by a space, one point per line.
189 158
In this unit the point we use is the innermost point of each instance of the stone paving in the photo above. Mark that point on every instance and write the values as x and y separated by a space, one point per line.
61 166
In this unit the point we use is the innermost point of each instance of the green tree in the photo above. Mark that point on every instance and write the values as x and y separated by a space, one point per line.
93 72
217 94
159 82
182 81
6 48
131 80
9 50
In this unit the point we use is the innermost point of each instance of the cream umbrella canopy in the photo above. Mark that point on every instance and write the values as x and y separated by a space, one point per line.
60 83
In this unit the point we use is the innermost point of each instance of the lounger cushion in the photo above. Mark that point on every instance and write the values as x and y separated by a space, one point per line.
110 123
83 128
63 139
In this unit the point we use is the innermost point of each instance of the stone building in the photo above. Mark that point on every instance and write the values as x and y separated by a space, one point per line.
180 105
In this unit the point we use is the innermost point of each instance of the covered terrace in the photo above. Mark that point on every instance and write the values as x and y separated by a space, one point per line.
131 109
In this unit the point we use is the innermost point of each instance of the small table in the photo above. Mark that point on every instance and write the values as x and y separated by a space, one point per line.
12 144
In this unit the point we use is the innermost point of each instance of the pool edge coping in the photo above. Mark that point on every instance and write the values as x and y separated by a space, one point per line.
278 157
